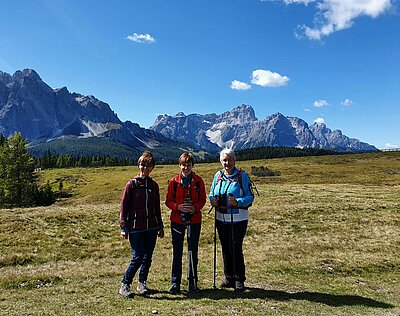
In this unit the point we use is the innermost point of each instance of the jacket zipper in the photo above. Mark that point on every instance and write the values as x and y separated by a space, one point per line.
134 219
147 209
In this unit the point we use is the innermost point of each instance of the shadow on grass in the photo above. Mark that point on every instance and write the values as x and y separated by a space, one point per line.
258 293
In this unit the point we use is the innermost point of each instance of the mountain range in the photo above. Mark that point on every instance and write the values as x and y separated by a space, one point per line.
240 129
65 122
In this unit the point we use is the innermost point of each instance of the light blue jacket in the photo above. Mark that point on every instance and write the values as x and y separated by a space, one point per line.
223 185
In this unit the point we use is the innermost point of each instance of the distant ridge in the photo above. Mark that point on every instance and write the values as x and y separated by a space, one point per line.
240 129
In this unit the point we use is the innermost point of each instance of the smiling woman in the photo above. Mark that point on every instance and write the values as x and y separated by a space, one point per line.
231 196
186 197
141 222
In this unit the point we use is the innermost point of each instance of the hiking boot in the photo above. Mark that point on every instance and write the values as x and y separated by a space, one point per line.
239 286
175 289
193 288
227 284
125 290
142 288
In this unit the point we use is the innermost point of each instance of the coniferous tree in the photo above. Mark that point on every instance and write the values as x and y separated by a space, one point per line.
3 141
44 195
16 170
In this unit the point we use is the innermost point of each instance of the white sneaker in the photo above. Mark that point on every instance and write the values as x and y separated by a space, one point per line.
125 290
142 288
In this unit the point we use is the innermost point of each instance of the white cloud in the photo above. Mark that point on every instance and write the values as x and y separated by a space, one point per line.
391 146
320 103
239 85
266 78
141 38
337 15
346 102
319 120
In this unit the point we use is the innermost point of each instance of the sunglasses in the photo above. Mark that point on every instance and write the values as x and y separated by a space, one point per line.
144 164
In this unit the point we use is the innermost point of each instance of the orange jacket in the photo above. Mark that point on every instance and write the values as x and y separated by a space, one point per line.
195 191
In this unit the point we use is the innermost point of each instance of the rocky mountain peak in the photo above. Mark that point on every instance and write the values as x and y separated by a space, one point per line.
277 117
5 78
180 114
26 73
242 113
320 128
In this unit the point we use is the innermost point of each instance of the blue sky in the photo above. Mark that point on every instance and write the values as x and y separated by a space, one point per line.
332 61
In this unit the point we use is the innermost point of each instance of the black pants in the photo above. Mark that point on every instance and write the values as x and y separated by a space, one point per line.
233 253
178 237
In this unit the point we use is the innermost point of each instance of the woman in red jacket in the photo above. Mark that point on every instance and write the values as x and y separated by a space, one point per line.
186 197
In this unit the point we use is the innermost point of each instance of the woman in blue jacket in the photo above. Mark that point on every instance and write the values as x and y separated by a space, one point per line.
231 195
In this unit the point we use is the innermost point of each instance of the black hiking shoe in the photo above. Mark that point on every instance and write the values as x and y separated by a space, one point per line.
175 289
193 289
227 284
239 286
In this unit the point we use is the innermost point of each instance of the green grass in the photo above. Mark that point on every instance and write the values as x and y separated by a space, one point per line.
323 239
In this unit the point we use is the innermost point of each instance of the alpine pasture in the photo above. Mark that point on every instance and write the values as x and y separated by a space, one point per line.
323 239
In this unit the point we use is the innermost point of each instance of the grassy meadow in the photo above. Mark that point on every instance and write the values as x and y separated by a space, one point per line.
323 239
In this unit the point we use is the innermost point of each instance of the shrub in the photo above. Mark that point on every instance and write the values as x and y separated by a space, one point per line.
264 172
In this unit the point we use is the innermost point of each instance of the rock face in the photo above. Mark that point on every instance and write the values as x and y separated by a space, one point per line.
30 106
240 129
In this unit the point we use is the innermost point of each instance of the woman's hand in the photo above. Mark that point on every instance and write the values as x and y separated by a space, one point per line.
232 201
186 207
124 234
193 209
214 201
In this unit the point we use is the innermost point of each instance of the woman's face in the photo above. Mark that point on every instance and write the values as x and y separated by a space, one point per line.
145 168
186 168
228 163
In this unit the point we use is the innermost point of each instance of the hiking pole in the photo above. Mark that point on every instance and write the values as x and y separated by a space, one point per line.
215 247
190 257
215 244
233 246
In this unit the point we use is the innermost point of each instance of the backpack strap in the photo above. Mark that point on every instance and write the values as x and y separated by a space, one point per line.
198 189
240 179
174 191
133 183
133 187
